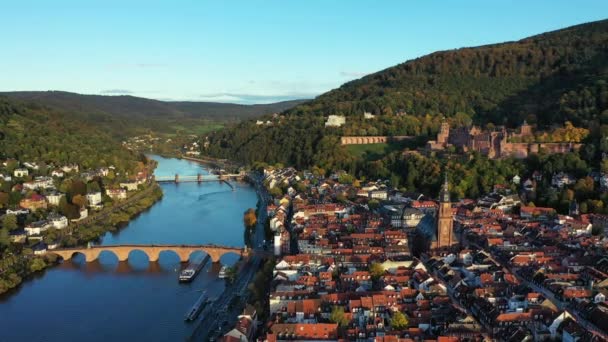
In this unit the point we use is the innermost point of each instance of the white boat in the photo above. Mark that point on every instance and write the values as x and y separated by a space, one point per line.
222 273
190 272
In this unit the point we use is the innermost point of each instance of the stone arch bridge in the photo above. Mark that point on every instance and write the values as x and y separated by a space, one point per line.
122 252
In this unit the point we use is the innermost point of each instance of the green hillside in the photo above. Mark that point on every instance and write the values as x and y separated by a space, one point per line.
545 79
128 115
555 76
32 133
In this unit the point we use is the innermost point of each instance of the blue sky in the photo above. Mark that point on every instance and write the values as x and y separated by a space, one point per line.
249 51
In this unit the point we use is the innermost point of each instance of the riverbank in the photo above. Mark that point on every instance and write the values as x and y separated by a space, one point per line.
20 263
136 299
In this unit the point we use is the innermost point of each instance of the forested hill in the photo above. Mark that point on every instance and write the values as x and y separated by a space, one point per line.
545 79
124 114
34 134
551 77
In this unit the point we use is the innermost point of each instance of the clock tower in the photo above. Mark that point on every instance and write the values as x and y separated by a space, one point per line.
445 219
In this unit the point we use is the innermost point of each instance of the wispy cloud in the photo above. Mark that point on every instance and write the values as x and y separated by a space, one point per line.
116 92
353 74
244 98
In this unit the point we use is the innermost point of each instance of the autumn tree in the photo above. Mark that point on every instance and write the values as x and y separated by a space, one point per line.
79 201
250 218
376 270
4 198
399 321
78 187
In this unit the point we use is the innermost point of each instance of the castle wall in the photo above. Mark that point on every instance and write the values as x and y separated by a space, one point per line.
522 150
362 140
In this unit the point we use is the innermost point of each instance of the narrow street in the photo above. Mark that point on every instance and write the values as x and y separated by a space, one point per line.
549 295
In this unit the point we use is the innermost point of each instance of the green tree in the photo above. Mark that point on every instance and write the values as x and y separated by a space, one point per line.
373 204
276 192
9 222
93 186
37 264
399 321
376 270
337 316
5 239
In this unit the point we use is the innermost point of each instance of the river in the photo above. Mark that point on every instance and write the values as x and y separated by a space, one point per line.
134 300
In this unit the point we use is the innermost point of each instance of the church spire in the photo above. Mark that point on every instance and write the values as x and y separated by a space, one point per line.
444 195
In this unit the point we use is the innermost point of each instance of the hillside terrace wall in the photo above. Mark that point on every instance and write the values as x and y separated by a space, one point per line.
362 140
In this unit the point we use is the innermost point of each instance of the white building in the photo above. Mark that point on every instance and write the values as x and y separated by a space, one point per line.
31 165
54 198
39 183
58 221
70 168
335 121
129 186
116 194
57 173
21 172
378 194
84 213
35 228
94 198
277 244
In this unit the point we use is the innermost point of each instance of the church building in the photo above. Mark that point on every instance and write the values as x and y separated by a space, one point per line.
445 221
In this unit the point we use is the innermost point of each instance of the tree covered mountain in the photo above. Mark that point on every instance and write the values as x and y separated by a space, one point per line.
545 79
29 132
123 115
550 77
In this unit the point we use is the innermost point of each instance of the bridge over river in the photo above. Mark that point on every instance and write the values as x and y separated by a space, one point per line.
122 252
177 178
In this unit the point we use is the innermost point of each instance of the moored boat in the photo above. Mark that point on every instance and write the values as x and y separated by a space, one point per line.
192 270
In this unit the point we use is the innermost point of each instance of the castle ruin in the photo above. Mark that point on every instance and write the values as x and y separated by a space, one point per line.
497 143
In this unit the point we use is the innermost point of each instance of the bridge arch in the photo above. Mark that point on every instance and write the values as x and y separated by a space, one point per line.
107 252
229 258
153 252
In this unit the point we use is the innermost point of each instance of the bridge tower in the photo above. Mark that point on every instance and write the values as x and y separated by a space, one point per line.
199 178
176 178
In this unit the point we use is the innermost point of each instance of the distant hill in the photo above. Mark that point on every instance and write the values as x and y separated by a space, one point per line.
545 79
36 134
124 113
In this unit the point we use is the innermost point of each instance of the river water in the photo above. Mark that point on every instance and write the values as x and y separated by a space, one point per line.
134 300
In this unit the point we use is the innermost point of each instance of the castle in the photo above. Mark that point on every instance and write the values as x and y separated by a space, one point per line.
495 144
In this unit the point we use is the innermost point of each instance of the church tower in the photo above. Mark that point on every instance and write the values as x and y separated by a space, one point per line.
445 220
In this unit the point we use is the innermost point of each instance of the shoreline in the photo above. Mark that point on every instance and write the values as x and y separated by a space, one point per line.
156 194
51 260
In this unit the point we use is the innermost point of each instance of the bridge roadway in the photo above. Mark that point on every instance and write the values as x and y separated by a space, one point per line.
122 252
177 178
